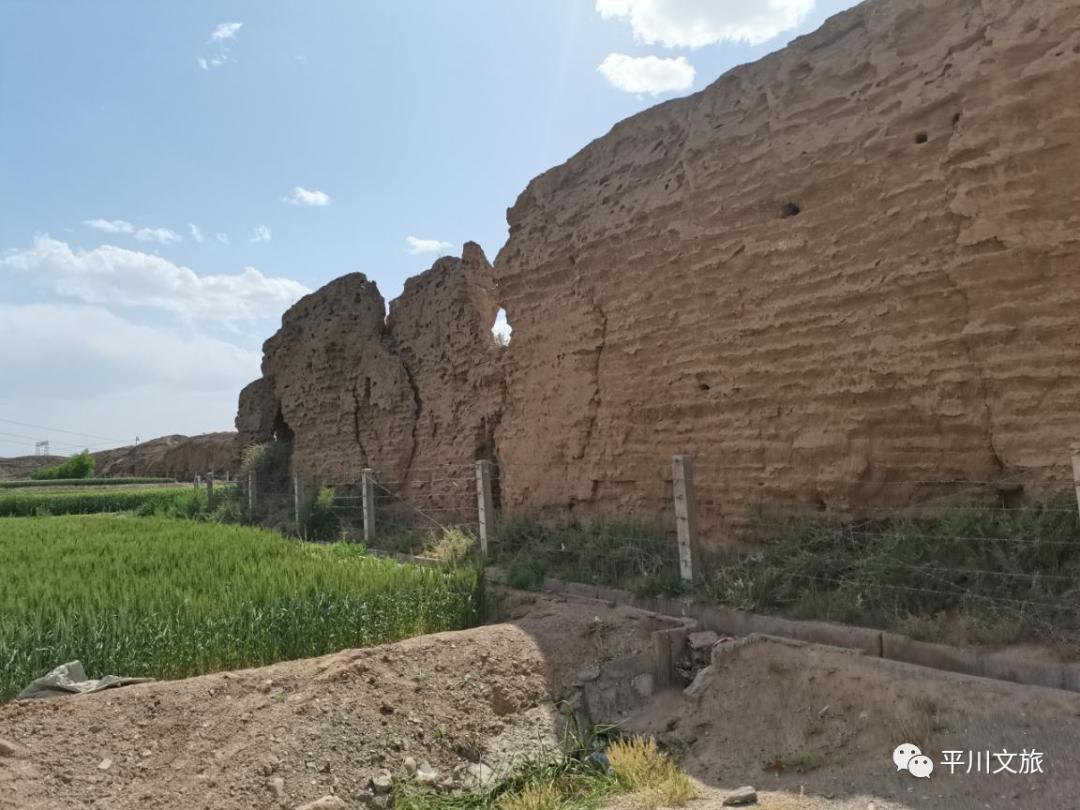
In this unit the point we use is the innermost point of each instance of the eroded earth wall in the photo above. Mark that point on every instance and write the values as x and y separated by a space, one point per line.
407 395
854 261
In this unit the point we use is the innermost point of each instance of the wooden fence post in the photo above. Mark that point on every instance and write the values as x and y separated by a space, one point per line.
367 500
298 501
1076 477
682 481
209 490
485 505
252 496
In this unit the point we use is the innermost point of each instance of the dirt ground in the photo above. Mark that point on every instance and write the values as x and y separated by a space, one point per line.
794 719
322 725
811 728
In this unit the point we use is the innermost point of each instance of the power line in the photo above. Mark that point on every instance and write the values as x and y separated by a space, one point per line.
61 430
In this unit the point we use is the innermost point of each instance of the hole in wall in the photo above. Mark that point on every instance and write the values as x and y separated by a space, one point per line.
921 137
789 209
501 330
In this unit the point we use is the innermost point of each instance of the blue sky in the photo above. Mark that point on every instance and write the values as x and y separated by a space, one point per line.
173 175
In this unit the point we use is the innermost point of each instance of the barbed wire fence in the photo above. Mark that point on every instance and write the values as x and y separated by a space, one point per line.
1002 555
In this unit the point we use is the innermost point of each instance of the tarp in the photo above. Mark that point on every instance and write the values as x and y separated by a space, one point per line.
70 679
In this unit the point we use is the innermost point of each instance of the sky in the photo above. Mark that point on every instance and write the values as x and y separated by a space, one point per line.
173 176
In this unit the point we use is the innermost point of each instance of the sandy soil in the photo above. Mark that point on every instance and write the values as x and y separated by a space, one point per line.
321 725
791 719
811 728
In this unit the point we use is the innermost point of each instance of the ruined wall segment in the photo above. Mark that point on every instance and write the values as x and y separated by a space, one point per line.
405 395
849 263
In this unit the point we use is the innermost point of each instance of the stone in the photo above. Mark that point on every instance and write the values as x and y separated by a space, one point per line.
382 782
703 640
425 774
587 674
740 796
325 803
480 774
409 764
643 685
8 748
277 786
105 764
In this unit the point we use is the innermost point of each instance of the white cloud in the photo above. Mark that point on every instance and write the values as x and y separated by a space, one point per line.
260 234
417 246
90 351
695 23
226 30
163 236
647 74
302 196
117 277
110 225
196 234
221 39
223 238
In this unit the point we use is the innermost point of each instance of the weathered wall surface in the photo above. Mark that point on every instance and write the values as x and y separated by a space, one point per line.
405 395
851 262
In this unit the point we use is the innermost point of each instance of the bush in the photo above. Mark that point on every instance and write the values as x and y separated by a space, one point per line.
81 465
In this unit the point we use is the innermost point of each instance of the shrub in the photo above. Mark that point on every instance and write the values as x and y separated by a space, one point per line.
80 465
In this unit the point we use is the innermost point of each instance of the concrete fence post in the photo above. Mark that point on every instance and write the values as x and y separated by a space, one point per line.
1076 477
252 493
198 481
298 502
682 482
209 490
367 501
485 505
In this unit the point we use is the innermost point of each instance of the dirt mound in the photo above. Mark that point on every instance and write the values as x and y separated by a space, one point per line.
180 457
321 725
789 717
24 466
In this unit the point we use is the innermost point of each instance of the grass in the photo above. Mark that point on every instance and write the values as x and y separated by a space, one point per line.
965 574
179 501
579 780
171 598
600 551
82 482
648 773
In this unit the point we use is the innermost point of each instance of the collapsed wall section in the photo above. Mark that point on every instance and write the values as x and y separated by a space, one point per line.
404 395
850 263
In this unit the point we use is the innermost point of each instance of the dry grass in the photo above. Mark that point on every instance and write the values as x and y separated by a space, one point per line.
544 796
649 774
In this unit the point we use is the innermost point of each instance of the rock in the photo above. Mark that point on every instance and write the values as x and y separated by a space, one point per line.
277 786
409 764
382 783
105 764
8 748
701 681
425 774
702 640
740 796
643 685
480 774
325 803
587 674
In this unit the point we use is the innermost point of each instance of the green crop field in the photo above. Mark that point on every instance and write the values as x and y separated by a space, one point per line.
23 483
172 598
178 499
